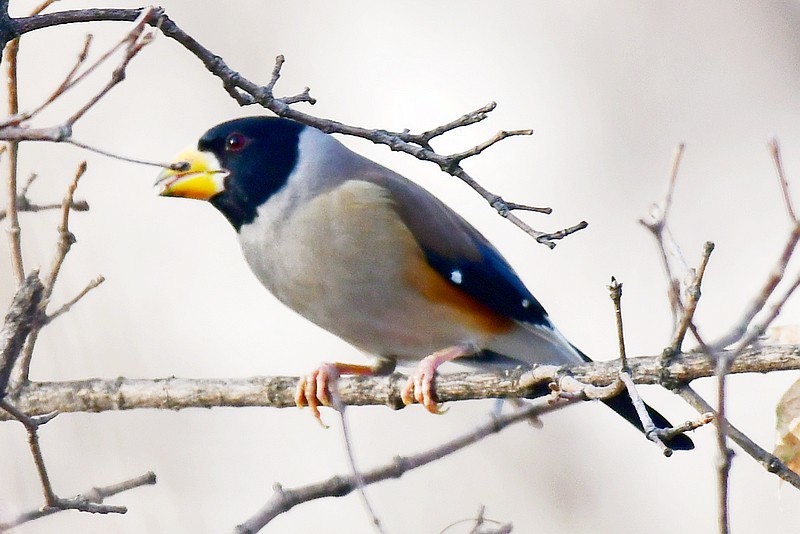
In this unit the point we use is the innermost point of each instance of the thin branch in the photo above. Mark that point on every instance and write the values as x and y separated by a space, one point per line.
658 227
669 433
339 406
423 139
651 431
692 298
745 330
67 83
458 157
65 241
74 300
133 43
740 328
284 499
13 229
775 152
90 501
79 144
246 92
725 454
615 292
65 238
481 526
77 205
770 462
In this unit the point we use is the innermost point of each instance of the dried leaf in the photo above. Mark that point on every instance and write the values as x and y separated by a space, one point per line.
787 440
787 334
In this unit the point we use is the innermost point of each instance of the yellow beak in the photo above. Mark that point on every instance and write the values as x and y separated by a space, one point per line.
195 175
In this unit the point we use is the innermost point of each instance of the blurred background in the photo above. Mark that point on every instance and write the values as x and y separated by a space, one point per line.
609 89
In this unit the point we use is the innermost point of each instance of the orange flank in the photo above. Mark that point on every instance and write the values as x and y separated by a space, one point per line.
437 289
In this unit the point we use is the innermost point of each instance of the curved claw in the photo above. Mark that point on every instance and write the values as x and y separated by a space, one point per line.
420 385
419 389
313 389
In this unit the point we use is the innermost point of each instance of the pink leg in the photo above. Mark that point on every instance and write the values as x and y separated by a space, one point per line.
420 385
314 389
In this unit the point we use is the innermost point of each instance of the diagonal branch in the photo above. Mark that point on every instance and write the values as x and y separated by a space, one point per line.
284 499
246 92
90 501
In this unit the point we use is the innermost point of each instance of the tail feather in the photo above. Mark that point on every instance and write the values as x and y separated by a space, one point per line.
623 405
532 344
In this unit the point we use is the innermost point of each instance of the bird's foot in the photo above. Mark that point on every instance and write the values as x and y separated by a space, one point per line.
420 388
319 387
315 389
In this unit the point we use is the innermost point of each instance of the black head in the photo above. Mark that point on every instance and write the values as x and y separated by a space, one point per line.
237 166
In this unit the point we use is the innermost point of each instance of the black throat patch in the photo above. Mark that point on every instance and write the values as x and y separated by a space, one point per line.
259 154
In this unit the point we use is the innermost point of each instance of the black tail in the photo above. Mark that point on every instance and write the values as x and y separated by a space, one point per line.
623 405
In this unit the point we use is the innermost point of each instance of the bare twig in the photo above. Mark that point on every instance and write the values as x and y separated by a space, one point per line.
745 330
13 229
74 300
284 499
740 328
658 227
339 406
770 462
79 144
32 425
651 431
615 292
77 205
133 44
423 139
692 298
669 433
775 152
65 242
65 238
67 83
91 501
456 159
483 525
42 6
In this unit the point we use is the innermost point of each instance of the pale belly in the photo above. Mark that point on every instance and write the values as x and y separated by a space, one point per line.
341 261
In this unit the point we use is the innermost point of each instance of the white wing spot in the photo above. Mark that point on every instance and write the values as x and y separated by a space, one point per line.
526 303
456 276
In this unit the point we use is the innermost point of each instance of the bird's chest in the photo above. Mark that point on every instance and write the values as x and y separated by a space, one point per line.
341 261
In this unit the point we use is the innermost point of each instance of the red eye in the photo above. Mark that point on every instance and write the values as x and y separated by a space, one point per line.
235 142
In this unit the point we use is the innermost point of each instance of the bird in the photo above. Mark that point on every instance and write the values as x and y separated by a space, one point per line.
371 257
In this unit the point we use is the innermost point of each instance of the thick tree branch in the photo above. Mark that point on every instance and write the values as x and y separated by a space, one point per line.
100 395
22 317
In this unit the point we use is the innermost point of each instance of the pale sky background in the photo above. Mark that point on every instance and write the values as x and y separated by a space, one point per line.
609 88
